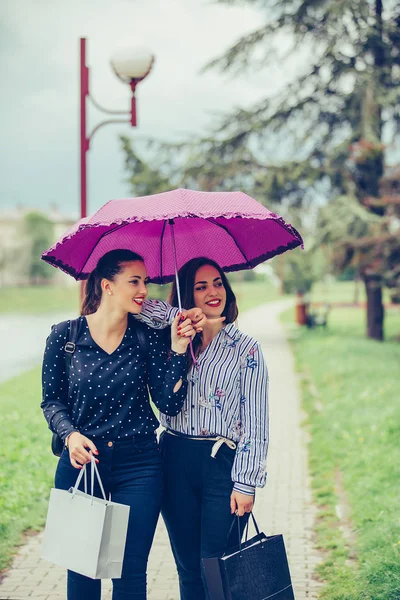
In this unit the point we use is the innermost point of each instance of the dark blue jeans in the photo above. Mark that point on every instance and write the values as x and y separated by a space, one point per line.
131 471
196 507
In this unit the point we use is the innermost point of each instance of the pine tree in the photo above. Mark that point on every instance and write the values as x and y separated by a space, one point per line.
345 98
143 179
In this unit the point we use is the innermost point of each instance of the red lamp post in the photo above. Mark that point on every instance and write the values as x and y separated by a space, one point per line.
131 66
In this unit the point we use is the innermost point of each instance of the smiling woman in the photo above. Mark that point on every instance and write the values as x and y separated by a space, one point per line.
214 451
100 406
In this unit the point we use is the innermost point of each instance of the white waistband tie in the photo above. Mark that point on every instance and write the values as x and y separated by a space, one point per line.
220 441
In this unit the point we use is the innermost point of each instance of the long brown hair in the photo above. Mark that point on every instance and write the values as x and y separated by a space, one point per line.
187 275
108 267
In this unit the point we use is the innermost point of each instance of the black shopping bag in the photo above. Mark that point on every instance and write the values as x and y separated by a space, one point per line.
254 570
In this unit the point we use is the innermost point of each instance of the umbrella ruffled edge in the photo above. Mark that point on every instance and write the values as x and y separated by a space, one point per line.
119 222
167 279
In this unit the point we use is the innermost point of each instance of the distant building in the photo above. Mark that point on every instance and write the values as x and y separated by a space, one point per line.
12 243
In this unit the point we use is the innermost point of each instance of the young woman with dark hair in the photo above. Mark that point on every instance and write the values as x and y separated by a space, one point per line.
214 451
103 408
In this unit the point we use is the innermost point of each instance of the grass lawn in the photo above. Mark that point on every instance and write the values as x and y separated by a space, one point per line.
252 294
43 299
350 389
341 291
27 465
48 299
39 299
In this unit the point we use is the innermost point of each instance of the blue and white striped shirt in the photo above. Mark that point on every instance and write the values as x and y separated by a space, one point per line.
227 396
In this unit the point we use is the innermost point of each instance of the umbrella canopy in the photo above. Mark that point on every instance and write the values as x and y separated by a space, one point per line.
231 228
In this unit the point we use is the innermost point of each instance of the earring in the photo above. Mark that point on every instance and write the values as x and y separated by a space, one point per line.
109 293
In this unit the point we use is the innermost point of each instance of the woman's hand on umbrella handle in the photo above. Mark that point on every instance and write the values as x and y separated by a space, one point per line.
181 334
197 317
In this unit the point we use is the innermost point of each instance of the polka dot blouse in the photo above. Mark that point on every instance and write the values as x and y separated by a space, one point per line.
106 395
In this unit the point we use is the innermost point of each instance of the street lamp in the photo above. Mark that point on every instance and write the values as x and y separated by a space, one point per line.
131 66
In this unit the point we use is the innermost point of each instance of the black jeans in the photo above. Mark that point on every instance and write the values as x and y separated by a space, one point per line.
131 471
196 507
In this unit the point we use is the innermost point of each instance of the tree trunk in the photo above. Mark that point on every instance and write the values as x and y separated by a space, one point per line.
372 125
356 296
375 310
301 309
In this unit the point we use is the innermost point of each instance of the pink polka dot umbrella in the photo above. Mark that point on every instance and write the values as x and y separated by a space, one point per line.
170 228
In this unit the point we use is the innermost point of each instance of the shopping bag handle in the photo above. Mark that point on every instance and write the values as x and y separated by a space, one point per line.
236 519
82 473
255 526
94 470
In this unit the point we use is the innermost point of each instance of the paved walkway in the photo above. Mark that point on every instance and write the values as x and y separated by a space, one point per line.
283 506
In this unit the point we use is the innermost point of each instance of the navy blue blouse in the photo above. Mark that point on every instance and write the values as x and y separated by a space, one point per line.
106 395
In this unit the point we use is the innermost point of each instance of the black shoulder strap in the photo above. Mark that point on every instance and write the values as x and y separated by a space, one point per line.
142 338
70 346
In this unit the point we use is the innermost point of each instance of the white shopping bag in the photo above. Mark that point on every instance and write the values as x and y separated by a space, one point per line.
86 534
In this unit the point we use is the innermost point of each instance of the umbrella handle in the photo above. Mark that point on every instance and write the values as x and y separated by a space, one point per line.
178 289
196 364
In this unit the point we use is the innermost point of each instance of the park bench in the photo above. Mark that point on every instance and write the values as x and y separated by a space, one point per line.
318 316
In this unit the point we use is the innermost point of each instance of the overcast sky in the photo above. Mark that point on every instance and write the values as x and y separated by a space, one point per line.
39 100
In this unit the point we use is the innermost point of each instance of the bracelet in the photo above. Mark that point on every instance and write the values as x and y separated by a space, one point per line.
68 436
173 353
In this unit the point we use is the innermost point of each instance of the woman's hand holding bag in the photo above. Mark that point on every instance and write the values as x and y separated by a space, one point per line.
77 444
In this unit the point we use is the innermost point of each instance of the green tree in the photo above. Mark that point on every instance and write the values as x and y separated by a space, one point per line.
38 231
143 179
364 236
346 94
298 271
